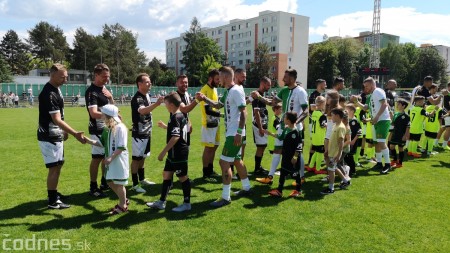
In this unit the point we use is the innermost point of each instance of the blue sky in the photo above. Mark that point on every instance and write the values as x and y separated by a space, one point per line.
157 20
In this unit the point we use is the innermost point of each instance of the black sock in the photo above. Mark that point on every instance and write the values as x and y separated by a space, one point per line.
283 175
206 172
361 153
103 181
210 168
186 186
165 189
258 162
94 185
401 155
298 180
52 196
141 174
379 164
134 177
394 154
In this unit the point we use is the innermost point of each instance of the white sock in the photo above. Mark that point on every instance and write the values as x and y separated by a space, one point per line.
407 144
385 153
275 161
445 143
245 184
379 157
331 186
226 191
435 142
302 166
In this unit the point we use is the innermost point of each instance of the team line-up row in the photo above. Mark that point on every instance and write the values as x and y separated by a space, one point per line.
337 129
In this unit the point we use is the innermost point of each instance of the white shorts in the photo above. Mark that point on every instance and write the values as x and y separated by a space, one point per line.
330 125
53 153
210 136
447 121
97 152
278 142
140 148
259 140
332 166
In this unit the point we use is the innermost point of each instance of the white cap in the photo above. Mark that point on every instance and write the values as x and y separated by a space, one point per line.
112 111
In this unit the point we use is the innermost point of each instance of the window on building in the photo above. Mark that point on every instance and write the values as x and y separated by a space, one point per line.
241 53
248 43
233 63
233 28
264 20
247 61
233 54
232 36
239 27
290 29
219 31
274 68
233 45
290 59
247 25
241 62
217 40
241 44
274 38
292 19
273 49
212 33
274 19
248 52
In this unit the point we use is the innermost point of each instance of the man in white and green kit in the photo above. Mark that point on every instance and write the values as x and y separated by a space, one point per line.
377 104
235 117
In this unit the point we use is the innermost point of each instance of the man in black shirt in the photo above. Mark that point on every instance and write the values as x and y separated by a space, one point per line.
260 123
52 131
424 91
446 120
390 93
141 113
96 97
177 150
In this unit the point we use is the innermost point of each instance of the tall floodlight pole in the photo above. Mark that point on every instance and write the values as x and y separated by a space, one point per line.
375 56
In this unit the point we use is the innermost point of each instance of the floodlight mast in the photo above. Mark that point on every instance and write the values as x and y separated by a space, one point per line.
375 56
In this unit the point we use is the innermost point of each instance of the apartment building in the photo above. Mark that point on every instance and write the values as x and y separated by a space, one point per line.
286 34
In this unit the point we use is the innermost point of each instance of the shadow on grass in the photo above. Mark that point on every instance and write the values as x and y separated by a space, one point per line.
125 221
443 165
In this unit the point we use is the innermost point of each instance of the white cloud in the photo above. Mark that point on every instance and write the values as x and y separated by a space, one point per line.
408 23
3 5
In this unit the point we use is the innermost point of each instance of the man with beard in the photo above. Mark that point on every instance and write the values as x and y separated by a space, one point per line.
210 126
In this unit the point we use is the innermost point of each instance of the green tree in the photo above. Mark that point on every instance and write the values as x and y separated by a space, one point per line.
348 50
197 48
123 56
262 66
429 62
48 43
322 62
14 52
411 53
85 53
5 71
393 57
168 78
208 64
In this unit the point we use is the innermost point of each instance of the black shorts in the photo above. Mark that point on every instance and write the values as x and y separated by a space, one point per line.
319 149
414 137
399 143
369 141
355 147
179 168
431 135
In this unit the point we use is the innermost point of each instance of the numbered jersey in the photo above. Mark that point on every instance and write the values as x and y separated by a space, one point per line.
318 128
432 123
417 115
178 127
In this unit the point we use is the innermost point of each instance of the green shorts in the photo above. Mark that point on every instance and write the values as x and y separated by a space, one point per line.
230 152
381 130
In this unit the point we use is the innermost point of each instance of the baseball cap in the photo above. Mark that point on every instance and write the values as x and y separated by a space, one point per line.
112 111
